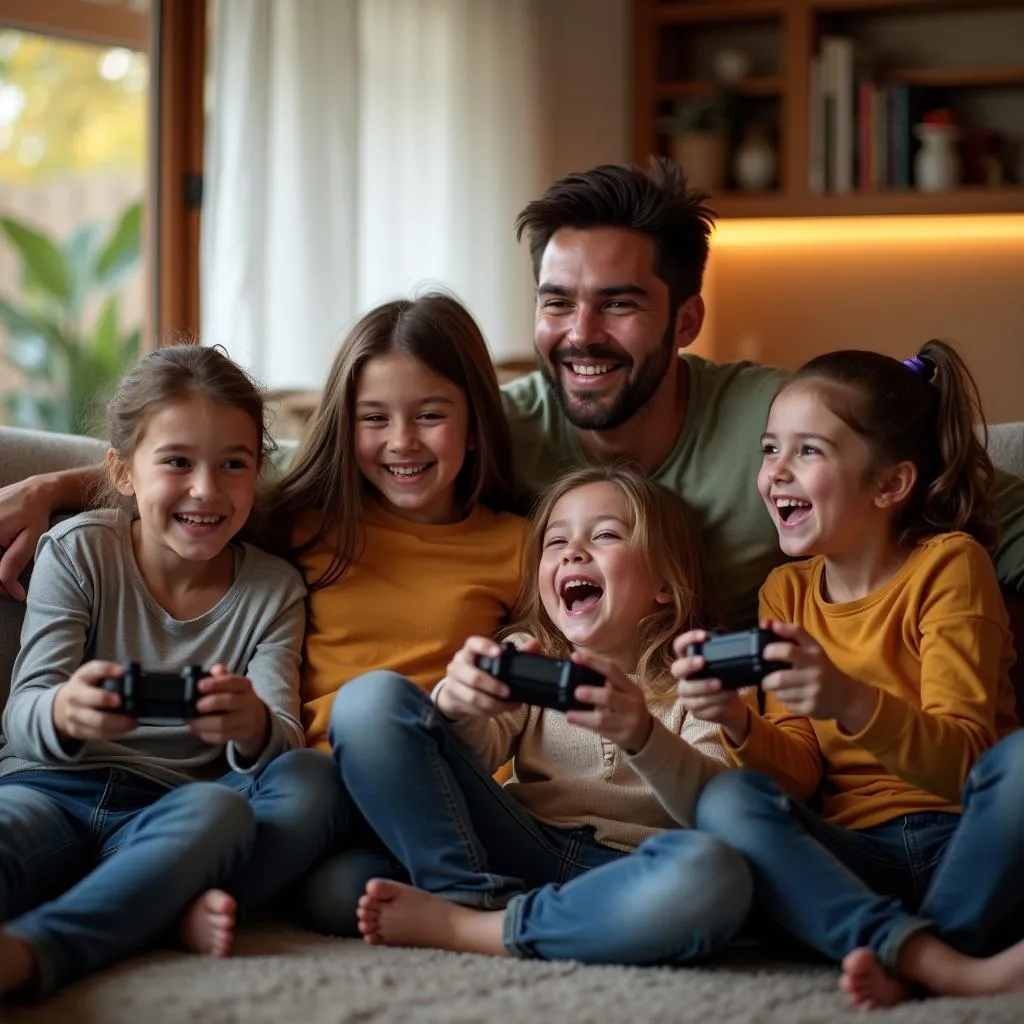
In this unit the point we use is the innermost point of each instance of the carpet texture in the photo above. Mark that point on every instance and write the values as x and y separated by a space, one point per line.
280 976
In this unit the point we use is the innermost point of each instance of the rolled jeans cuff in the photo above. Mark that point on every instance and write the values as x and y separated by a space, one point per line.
510 926
889 953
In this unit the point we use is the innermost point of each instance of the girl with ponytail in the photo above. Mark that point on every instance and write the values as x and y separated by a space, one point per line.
895 714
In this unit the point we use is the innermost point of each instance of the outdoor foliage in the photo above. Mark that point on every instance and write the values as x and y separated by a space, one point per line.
63 332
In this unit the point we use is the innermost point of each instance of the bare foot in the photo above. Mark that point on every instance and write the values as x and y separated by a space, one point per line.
926 959
17 965
393 914
209 924
868 984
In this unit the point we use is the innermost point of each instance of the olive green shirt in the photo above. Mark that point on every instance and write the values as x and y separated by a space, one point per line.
713 466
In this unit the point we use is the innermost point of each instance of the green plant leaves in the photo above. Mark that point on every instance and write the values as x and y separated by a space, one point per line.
121 253
43 262
70 368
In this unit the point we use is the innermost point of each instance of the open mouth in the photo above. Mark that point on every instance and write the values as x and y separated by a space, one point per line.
580 595
196 523
408 472
590 371
792 511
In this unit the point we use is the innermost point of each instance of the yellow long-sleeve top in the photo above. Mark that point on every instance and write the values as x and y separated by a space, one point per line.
935 641
407 603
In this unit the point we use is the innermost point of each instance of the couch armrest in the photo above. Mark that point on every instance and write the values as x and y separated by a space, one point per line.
25 452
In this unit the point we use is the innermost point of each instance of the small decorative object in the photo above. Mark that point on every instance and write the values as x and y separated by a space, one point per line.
730 66
937 165
698 132
754 163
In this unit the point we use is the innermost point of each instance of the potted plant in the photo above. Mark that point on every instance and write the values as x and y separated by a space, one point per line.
698 133
70 355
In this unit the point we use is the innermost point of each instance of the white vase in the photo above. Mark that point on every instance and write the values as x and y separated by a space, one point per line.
936 166
753 165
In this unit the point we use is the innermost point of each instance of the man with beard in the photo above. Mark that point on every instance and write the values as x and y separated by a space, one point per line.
618 256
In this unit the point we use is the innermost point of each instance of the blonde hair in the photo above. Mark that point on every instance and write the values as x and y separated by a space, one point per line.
667 542
440 332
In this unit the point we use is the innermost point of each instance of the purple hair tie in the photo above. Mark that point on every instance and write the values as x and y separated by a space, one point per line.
924 368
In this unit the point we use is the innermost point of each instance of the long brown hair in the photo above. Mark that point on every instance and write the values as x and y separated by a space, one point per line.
927 411
667 541
169 375
441 333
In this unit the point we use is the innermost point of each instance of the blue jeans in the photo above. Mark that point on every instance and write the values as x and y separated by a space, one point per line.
95 865
837 889
680 896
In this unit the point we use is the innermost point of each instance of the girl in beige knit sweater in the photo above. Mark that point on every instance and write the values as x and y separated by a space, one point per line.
586 852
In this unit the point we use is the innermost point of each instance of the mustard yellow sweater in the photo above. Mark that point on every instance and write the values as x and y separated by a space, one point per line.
935 641
413 595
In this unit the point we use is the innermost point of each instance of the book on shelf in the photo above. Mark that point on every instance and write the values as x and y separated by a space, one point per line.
861 125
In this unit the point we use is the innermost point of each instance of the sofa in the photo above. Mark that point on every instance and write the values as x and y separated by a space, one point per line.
280 974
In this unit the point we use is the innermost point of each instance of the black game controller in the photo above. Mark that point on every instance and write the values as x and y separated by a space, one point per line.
538 680
156 694
737 659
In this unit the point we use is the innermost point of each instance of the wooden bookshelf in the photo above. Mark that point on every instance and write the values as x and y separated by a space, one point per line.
673 41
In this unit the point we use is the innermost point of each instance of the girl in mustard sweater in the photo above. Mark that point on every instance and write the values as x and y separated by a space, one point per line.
897 715
396 511
579 856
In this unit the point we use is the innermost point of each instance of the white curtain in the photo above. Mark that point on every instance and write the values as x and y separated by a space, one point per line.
362 149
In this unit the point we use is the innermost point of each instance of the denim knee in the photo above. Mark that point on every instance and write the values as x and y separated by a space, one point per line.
213 806
711 889
372 705
730 799
330 892
311 780
1005 760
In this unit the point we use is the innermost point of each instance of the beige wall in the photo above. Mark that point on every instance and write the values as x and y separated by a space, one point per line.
783 303
587 61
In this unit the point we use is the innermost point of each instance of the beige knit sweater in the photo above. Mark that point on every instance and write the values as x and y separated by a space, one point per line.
570 777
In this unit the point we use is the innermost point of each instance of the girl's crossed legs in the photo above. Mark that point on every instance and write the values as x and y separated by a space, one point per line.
490 878
918 898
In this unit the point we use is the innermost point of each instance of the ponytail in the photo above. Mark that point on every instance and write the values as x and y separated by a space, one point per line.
961 495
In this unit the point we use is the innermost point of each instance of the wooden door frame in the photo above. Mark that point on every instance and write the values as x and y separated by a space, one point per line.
179 48
174 36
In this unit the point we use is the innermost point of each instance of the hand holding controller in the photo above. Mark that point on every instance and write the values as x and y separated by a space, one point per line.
164 695
539 680
736 659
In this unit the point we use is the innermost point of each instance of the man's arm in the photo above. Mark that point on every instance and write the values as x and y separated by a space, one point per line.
25 510
1009 556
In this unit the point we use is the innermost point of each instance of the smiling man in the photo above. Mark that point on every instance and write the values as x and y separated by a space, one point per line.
619 256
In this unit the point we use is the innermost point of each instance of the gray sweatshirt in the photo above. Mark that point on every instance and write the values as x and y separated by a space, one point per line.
87 600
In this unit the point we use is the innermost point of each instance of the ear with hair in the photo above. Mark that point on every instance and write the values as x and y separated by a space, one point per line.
895 484
120 474
689 320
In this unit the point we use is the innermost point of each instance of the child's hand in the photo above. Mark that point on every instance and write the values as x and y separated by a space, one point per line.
620 710
469 692
231 712
82 711
704 698
814 686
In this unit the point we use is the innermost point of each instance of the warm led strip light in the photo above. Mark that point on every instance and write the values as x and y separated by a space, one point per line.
778 231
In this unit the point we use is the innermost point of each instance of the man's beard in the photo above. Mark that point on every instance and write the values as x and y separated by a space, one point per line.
587 413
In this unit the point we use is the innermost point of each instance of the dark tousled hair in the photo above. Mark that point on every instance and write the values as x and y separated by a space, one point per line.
172 374
655 203
440 332
928 413
666 539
